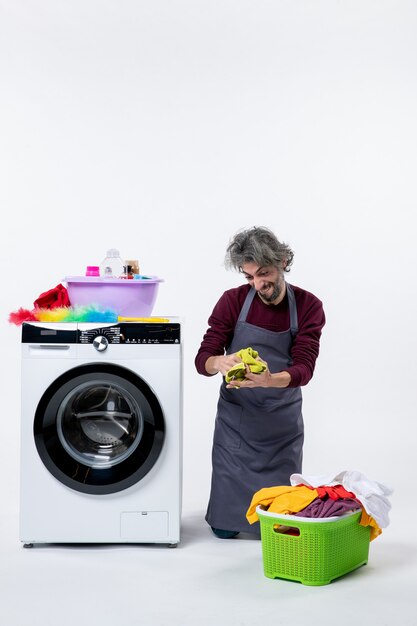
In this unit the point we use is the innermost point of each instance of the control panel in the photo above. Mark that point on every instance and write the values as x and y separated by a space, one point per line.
128 333
133 333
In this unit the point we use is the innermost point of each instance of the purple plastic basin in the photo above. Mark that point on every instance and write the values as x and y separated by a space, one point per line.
128 298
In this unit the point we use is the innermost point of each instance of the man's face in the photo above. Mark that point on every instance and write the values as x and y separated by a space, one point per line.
268 281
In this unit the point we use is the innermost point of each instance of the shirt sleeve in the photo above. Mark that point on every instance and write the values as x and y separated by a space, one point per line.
219 334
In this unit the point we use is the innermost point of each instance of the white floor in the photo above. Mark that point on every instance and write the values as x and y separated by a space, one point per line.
204 581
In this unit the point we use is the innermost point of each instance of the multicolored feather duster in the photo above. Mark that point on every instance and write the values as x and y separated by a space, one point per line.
87 313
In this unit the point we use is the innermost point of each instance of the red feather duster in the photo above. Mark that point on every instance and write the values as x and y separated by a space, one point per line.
22 315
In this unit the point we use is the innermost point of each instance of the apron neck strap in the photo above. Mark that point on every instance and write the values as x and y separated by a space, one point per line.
291 305
293 310
246 305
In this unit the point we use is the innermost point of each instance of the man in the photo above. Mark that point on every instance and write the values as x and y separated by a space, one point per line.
259 431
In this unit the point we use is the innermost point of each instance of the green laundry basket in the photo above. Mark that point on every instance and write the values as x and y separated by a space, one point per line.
313 551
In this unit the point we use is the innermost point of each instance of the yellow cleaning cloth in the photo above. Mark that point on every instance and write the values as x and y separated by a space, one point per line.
282 499
238 371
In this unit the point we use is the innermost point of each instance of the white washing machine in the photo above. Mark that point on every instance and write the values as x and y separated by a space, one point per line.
101 433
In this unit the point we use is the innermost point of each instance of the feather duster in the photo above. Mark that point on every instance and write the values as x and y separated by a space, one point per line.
87 313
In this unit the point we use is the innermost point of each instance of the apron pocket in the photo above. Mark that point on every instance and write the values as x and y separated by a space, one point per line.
227 425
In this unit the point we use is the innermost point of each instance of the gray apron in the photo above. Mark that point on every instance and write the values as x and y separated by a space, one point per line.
259 433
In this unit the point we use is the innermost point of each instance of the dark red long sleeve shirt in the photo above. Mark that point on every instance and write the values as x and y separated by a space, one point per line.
305 348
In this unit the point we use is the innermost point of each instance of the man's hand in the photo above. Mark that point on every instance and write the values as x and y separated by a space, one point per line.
264 379
222 363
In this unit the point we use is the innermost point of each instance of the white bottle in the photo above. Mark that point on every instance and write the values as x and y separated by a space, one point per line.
112 266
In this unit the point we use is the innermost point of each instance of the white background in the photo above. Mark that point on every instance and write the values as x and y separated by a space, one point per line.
161 128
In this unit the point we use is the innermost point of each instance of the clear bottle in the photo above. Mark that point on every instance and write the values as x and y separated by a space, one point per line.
112 265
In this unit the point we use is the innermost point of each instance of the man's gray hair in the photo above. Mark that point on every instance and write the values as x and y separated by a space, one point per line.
258 245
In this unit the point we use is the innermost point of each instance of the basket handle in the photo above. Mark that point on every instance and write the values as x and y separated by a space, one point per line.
290 531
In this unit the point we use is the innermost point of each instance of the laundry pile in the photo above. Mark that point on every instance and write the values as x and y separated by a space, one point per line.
327 496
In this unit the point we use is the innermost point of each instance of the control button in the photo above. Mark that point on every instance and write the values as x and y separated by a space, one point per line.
100 343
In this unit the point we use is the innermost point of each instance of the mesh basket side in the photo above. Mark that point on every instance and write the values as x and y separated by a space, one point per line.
321 552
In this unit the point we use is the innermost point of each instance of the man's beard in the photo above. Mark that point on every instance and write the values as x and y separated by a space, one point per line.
275 293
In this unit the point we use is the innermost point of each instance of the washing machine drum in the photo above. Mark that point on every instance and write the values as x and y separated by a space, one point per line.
99 428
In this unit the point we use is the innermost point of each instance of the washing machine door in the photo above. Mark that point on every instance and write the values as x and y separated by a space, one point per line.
99 428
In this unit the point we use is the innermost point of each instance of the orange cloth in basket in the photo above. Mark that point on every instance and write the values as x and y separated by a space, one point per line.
367 520
282 499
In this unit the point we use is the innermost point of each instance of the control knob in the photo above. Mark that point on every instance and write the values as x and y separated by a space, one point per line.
100 343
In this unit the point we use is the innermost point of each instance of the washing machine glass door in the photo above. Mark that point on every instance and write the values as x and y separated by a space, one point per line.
99 428
100 423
